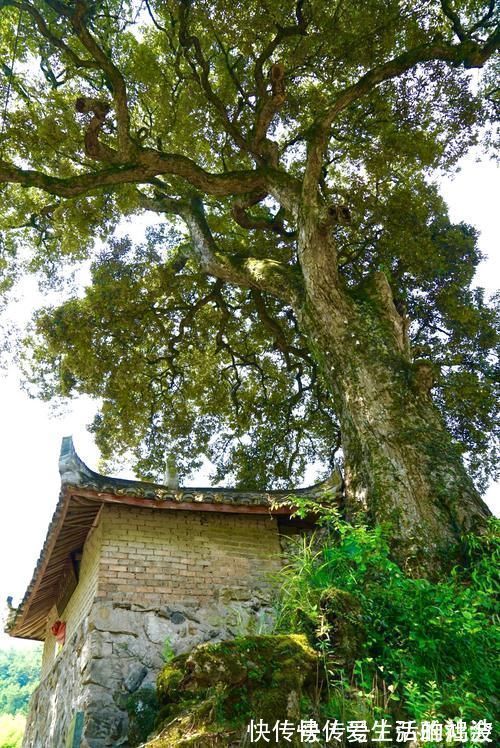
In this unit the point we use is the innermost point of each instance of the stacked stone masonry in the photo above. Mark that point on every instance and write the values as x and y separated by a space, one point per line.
148 580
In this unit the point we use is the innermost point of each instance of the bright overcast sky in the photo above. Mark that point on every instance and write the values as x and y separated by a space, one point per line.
30 434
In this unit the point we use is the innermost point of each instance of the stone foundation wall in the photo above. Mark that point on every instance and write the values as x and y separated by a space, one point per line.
117 650
59 695
152 583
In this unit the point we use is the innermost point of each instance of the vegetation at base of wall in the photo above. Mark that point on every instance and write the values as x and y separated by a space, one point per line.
19 676
208 697
12 730
357 638
142 709
168 650
392 644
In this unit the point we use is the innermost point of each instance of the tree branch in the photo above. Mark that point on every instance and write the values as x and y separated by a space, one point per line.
247 272
230 68
454 18
125 143
131 163
250 272
246 221
276 330
148 164
188 41
468 53
99 61
483 22
268 106
93 147
76 17
153 19
44 30
282 33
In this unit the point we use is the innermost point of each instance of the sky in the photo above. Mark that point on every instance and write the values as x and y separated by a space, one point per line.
31 433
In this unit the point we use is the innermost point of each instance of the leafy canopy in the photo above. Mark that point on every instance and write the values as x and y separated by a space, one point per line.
220 117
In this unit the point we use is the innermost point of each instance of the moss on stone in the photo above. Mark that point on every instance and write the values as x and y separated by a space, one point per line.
142 709
344 617
170 678
208 697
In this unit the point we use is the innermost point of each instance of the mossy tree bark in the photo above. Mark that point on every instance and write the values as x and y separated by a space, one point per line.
401 465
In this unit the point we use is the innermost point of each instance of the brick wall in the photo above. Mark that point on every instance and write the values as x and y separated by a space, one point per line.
160 557
49 645
147 578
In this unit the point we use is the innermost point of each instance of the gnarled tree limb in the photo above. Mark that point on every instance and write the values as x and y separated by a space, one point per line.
248 272
467 53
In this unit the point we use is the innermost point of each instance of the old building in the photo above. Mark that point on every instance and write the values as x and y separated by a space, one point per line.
130 571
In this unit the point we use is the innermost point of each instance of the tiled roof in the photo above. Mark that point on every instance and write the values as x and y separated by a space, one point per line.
84 491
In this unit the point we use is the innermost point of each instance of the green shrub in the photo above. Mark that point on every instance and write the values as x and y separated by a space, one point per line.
19 676
428 649
168 652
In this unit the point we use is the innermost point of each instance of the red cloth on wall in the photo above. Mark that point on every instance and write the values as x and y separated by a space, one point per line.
59 631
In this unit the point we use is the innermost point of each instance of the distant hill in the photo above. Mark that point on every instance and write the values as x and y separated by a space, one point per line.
19 676
12 730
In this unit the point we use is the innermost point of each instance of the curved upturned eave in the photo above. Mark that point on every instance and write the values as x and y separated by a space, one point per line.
84 491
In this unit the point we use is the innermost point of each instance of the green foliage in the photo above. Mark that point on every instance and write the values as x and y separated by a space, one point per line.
183 361
429 648
142 709
170 354
167 651
11 730
19 676
215 368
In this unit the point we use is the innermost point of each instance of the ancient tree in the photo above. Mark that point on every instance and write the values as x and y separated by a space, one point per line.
304 290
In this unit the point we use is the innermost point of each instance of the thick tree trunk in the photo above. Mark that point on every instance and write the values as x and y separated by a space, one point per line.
401 465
